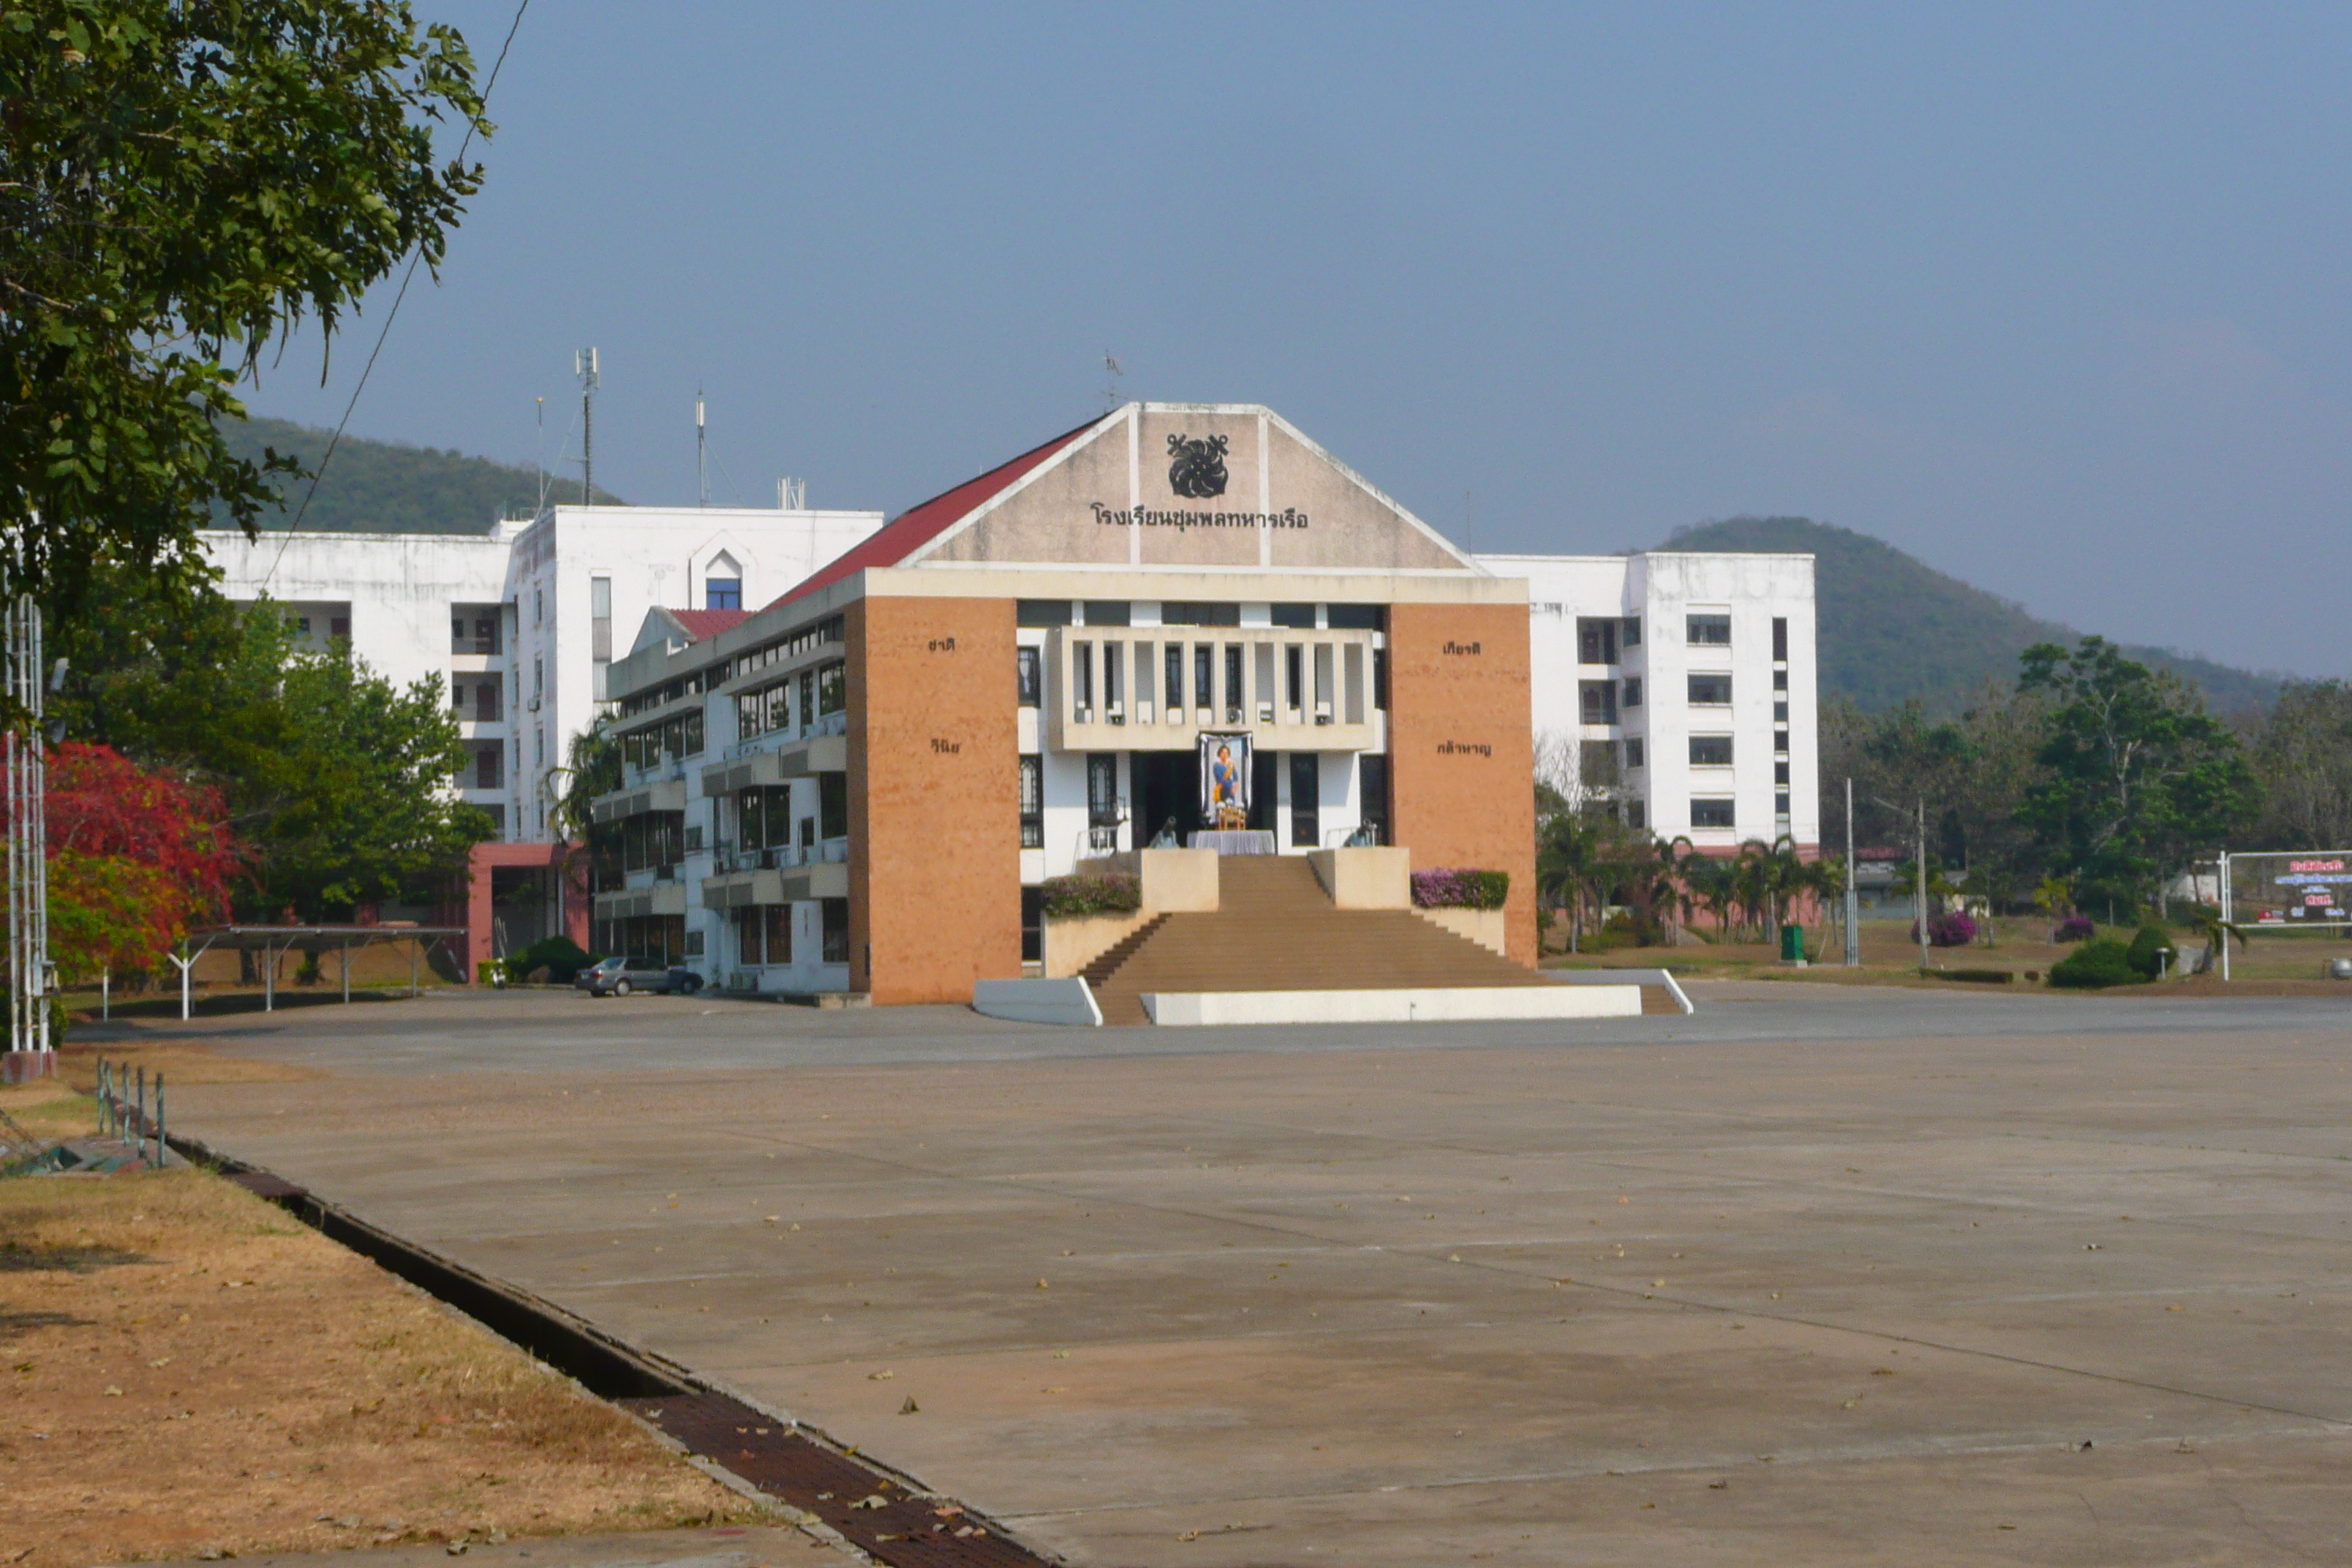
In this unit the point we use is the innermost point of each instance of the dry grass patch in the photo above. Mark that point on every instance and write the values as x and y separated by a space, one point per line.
188 1368
180 1061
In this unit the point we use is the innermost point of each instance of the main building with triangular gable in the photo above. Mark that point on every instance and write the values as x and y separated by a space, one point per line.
1181 625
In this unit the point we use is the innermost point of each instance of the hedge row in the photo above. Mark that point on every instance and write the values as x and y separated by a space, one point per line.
1461 890
1111 893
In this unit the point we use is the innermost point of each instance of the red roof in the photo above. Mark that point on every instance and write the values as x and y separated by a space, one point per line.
703 624
911 529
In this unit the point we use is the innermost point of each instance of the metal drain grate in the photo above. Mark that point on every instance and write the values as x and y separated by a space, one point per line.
908 1531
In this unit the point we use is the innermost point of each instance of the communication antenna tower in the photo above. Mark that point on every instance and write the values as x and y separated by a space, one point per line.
701 451
30 979
791 495
541 510
1111 373
583 366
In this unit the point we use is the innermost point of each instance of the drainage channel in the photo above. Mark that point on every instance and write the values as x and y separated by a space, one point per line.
890 1516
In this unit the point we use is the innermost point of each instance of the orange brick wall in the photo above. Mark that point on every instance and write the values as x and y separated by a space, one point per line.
934 798
1461 748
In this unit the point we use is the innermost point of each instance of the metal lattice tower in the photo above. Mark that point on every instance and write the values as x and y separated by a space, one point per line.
29 978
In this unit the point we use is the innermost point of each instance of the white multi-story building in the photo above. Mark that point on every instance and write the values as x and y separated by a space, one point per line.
1679 686
517 624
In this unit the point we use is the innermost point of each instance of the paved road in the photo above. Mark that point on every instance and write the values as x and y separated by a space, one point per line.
1818 1275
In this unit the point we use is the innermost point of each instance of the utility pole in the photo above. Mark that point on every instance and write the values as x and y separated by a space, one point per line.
1852 900
583 366
1923 884
31 1054
701 452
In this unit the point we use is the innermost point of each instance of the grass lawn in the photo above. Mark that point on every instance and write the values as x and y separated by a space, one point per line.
2274 962
188 1368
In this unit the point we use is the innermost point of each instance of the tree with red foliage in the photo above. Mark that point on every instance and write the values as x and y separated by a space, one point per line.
135 858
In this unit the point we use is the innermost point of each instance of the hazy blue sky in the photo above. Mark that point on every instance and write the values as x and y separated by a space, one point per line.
2053 296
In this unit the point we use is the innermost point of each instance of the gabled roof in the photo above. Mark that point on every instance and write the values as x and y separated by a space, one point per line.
903 535
701 625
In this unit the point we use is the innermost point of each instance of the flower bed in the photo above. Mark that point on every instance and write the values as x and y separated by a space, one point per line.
1460 890
1113 893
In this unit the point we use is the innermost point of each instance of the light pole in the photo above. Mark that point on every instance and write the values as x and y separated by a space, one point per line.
1852 900
1919 898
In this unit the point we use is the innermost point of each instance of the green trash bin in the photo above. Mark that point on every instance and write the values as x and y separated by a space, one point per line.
1793 944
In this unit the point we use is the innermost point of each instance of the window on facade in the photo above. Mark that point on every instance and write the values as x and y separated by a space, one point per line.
1082 677
1779 637
1779 680
1597 701
1029 676
832 688
1780 742
339 626
835 915
722 593
1632 752
1356 617
1204 665
1710 631
1033 803
538 678
1633 633
1041 613
486 701
1711 814
1372 781
1632 691
1710 751
1710 690
486 766
1596 763
1780 712
1781 806
833 805
1174 613
1033 925
1305 800
1108 612
1637 814
1172 665
1781 772
750 936
1102 789
807 710
1381 679
1596 640
1233 699
1294 672
1298 617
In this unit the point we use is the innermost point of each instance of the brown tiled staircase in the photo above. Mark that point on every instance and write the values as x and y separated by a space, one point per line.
1275 929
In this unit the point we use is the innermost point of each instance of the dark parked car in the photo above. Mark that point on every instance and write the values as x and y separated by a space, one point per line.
619 976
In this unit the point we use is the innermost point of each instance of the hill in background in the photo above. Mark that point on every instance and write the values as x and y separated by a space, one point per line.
1892 627
385 487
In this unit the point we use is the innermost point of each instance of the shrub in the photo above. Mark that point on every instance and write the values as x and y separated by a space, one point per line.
1460 890
2151 952
2095 965
1110 893
1953 930
2075 928
560 956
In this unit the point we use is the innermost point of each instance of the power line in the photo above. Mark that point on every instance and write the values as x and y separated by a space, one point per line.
489 87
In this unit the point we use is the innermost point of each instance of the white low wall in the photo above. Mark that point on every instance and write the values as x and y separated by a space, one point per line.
1432 1006
1626 977
1036 1001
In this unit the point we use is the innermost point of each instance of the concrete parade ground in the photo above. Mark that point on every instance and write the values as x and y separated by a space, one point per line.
1817 1275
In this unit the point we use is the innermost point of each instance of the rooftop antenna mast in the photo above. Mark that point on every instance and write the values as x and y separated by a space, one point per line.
1111 373
583 366
701 452
541 510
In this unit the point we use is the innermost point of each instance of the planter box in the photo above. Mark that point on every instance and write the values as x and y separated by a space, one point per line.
1365 878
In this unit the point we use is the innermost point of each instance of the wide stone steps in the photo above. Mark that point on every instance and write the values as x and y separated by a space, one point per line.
1277 930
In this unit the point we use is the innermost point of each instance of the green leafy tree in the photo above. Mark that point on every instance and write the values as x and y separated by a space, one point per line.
2302 751
179 185
2138 775
338 782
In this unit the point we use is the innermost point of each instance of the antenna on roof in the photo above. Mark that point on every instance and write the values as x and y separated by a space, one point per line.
541 510
1111 373
701 451
583 366
791 495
